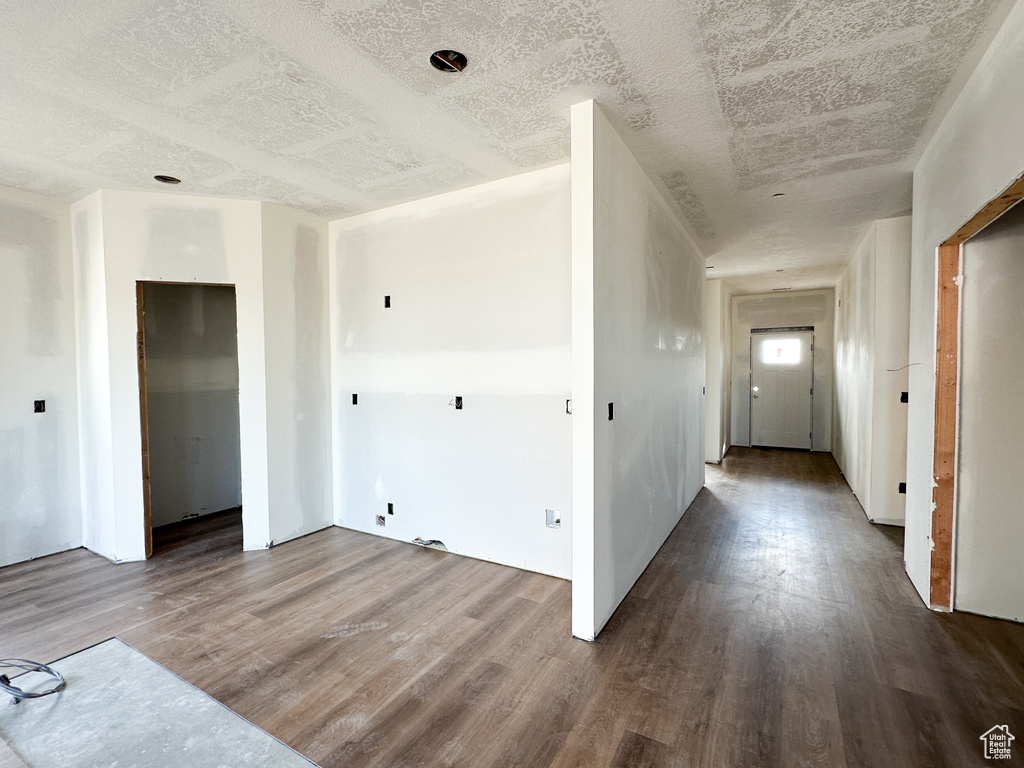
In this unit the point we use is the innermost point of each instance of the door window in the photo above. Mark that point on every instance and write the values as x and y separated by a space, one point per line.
780 351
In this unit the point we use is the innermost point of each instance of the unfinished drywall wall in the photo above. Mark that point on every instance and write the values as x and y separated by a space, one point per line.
725 417
192 400
718 370
974 155
479 308
989 525
784 310
871 342
40 512
638 438
94 407
854 334
127 237
296 323
891 370
714 369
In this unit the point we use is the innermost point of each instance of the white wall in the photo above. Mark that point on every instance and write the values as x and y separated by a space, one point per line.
871 339
96 447
192 400
784 310
975 154
296 323
479 282
714 370
725 417
123 237
40 511
854 390
891 370
634 476
989 525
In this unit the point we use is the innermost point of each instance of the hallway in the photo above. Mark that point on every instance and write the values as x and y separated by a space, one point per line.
775 627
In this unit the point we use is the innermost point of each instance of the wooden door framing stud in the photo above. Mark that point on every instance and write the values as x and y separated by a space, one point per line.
144 414
947 333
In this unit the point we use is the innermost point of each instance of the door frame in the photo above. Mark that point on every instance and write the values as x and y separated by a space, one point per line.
750 388
147 515
945 458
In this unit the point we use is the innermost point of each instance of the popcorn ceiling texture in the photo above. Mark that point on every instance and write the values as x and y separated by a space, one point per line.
330 106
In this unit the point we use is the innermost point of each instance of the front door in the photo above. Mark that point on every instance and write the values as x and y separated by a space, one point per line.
781 382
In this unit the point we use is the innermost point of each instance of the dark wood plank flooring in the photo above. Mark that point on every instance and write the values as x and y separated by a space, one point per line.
776 627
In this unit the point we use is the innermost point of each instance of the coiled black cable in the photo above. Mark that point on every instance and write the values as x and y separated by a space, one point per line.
29 666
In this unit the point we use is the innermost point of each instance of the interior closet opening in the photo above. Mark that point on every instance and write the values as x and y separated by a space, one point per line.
188 376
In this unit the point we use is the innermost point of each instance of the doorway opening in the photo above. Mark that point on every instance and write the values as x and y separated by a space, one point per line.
188 393
989 530
945 460
782 387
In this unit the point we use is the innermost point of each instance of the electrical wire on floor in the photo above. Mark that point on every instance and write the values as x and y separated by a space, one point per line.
29 666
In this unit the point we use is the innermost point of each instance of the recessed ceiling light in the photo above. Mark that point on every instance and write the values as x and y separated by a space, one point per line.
779 194
166 179
448 61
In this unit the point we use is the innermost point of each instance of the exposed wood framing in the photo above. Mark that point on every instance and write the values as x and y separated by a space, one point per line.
944 464
946 394
144 415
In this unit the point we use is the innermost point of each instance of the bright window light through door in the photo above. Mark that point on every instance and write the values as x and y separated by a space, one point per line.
780 351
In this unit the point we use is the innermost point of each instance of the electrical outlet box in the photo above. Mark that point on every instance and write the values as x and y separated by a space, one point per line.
380 521
391 508
552 518
458 402
568 407
355 399
40 406
387 302
904 397
611 411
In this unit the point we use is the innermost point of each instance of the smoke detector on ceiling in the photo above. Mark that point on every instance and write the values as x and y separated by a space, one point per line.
448 61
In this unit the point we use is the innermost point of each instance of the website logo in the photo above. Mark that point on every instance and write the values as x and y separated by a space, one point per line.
997 742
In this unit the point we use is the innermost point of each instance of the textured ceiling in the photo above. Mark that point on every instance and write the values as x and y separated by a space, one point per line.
331 106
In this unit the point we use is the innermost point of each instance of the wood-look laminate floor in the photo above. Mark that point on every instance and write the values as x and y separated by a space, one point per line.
776 627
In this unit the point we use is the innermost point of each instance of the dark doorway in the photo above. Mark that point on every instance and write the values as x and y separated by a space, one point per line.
188 363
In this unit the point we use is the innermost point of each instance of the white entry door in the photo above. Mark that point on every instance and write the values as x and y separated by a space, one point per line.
781 381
